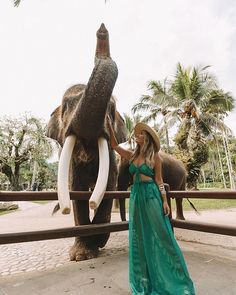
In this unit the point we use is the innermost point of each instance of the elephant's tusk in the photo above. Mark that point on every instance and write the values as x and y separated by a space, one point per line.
103 172
63 174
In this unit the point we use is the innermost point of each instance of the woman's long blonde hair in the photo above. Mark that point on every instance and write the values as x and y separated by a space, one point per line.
148 149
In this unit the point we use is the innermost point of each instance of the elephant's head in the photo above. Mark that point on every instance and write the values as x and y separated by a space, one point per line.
79 125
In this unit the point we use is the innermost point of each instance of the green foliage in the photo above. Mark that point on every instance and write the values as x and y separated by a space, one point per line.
47 175
23 142
206 204
199 157
194 103
216 168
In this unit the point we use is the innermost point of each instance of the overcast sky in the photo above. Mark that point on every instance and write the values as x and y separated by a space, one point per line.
48 45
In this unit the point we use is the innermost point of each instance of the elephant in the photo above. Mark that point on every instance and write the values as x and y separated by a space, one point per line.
79 126
173 173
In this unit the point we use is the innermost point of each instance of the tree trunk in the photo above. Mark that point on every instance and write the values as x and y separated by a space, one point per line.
15 178
204 178
34 173
167 137
228 160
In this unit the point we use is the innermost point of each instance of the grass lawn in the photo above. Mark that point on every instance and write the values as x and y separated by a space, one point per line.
206 204
200 204
7 212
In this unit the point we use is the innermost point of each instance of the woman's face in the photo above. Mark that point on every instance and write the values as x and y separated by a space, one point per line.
139 138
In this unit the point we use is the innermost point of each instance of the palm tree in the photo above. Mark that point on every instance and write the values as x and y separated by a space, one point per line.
194 100
220 104
203 107
156 104
130 122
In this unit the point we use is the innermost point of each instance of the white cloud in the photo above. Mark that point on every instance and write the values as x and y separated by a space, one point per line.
47 46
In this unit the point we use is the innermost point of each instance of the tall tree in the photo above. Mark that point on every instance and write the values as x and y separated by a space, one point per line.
22 141
130 122
193 101
201 102
158 103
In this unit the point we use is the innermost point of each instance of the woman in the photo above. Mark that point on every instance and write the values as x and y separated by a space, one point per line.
156 263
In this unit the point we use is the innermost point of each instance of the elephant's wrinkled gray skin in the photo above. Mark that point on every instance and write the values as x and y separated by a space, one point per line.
173 173
83 113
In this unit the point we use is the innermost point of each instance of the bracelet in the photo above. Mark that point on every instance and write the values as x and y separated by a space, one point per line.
162 188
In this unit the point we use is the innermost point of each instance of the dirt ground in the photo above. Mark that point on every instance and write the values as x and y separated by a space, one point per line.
44 268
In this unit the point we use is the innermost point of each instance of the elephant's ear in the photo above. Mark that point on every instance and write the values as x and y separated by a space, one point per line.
53 130
120 130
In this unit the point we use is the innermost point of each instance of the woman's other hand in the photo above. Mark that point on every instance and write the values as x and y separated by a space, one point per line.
166 208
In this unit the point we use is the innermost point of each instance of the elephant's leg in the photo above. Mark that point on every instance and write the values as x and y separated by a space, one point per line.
122 209
179 202
83 247
123 184
103 215
179 209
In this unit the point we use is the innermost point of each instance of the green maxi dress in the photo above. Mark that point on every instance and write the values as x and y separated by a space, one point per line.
156 263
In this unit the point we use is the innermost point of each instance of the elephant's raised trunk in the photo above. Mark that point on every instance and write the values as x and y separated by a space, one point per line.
89 116
103 48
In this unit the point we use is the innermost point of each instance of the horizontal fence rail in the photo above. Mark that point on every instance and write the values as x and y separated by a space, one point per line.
93 229
205 227
67 232
85 195
52 196
217 195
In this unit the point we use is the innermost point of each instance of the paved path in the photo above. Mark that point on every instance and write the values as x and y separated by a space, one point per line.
38 258
44 255
108 275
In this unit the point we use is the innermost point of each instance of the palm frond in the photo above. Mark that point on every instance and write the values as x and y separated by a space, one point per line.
152 116
166 125
146 98
128 122
209 123
142 107
217 102
16 2
180 86
158 87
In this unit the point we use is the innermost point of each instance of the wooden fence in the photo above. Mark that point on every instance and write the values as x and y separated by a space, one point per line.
84 230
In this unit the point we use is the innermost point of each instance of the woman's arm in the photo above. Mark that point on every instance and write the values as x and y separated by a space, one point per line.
127 154
159 182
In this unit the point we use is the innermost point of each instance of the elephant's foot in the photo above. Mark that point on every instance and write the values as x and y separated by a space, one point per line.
101 240
80 251
180 216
